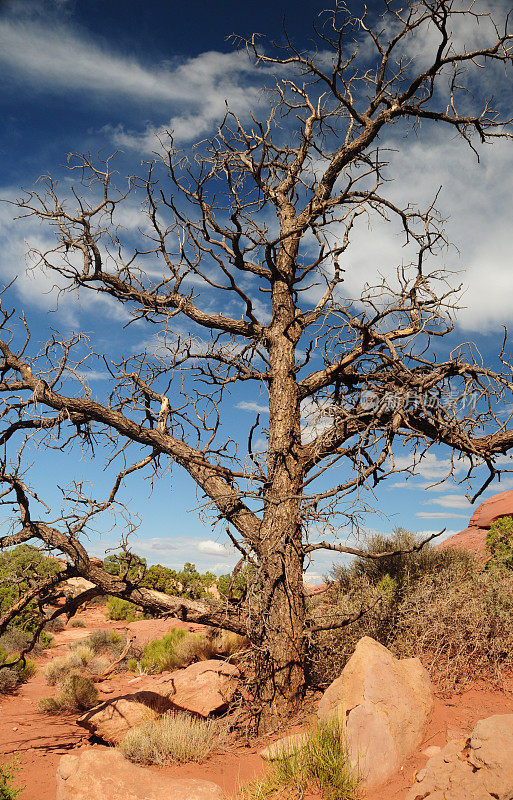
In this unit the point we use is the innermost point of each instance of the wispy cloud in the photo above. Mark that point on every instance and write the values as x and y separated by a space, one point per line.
61 60
439 515
450 501
212 548
257 408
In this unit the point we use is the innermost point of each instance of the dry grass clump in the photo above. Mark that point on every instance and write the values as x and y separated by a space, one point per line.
77 623
78 693
226 643
81 659
319 766
103 642
173 737
443 606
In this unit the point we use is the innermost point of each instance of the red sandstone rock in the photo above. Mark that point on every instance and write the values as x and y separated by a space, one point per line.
473 538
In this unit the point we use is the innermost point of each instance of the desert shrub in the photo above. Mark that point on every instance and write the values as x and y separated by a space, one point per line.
13 676
173 737
77 623
179 648
8 680
8 772
118 609
193 647
403 569
81 657
451 613
103 641
226 643
45 640
78 693
174 650
57 671
499 541
320 765
160 654
55 625
14 640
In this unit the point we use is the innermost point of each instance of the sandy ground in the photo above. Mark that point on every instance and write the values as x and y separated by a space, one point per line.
41 740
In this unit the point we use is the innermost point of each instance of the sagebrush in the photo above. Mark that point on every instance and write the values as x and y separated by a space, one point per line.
441 605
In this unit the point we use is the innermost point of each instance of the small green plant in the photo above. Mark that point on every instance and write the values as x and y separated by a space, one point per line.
118 609
319 764
160 654
499 541
78 693
8 772
173 737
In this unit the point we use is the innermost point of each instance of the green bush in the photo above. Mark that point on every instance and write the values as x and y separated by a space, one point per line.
173 737
160 655
499 541
187 582
17 567
7 776
117 609
319 765
126 565
78 693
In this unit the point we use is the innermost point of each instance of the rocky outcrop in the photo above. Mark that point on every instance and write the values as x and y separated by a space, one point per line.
107 775
385 705
204 688
112 719
478 768
474 536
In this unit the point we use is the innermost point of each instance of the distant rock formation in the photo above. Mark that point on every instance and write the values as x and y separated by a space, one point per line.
473 538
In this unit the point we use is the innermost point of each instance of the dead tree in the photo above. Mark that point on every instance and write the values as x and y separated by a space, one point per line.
240 271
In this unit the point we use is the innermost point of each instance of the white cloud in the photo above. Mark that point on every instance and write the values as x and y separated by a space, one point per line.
256 408
212 548
60 59
450 501
439 515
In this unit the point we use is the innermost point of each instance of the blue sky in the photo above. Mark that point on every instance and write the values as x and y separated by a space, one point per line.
104 75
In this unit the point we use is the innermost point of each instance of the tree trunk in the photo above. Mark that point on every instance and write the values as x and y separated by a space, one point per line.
280 638
280 659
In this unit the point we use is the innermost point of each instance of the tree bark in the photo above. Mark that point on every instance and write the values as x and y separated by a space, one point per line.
281 680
